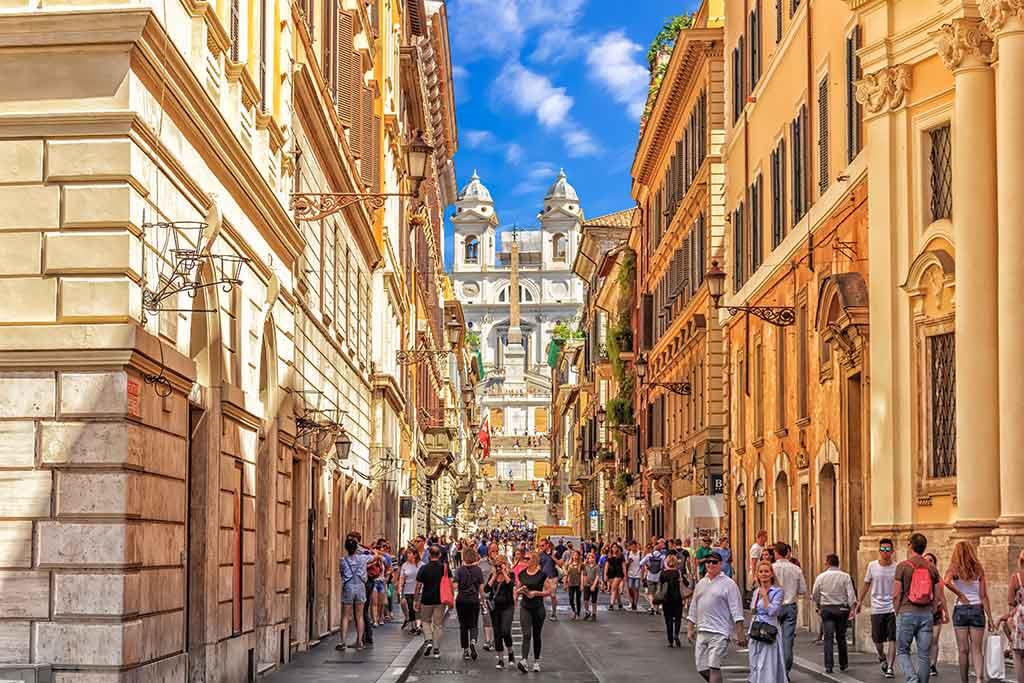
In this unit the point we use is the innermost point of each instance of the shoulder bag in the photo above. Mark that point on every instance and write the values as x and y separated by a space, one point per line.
762 631
447 592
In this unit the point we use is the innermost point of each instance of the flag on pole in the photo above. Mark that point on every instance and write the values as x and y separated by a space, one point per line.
484 438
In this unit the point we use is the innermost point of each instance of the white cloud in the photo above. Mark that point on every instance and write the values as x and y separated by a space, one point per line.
478 138
532 93
536 179
614 63
559 44
460 74
475 23
579 143
514 153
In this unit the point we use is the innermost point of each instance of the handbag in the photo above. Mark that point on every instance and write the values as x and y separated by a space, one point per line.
662 592
447 592
763 632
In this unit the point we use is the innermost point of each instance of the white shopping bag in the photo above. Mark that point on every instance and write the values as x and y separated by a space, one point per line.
995 664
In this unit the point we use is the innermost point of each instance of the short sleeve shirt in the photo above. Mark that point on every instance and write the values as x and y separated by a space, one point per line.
755 552
905 574
430 576
409 572
702 552
469 579
547 565
881 579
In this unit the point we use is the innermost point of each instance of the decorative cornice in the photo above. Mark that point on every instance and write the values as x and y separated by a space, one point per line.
964 39
885 88
996 13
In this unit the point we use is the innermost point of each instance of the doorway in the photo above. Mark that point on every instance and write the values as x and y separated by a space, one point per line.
827 509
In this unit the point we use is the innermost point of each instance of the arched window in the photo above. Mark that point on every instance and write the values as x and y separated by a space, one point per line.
558 248
472 250
525 295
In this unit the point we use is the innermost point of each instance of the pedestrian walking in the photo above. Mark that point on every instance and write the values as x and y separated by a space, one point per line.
716 613
502 607
532 589
965 578
670 595
469 584
726 552
878 579
941 617
574 583
549 566
407 589
702 553
487 568
428 602
591 586
1014 618
915 599
791 579
754 555
352 567
766 656
652 563
835 599
634 574
614 574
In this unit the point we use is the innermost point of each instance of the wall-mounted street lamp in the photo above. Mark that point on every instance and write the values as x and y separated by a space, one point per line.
681 388
313 206
780 316
453 330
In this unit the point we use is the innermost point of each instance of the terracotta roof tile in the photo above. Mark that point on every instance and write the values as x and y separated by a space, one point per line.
618 219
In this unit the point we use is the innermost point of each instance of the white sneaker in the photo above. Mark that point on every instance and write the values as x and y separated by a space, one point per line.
521 664
536 667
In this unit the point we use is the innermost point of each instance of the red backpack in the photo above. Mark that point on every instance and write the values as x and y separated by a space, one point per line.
922 588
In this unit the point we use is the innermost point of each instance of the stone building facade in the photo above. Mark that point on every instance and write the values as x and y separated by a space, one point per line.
679 184
180 470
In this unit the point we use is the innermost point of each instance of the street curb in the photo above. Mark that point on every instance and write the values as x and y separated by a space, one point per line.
809 667
403 663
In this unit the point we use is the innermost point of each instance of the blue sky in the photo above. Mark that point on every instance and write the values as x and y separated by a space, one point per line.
546 84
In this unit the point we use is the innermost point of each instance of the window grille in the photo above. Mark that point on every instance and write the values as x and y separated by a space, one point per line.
823 179
941 156
942 352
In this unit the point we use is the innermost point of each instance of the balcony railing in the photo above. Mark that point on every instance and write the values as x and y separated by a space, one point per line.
658 463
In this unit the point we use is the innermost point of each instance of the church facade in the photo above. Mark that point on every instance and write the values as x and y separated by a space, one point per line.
515 287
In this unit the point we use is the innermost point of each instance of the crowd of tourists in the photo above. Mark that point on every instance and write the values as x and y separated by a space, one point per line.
486 577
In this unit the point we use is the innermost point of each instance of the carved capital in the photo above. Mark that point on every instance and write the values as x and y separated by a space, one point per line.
996 13
964 42
886 87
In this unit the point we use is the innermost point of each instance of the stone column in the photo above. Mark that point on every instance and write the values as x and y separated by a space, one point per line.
1005 18
965 46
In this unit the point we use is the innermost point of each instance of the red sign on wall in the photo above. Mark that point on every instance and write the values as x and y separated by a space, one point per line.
134 408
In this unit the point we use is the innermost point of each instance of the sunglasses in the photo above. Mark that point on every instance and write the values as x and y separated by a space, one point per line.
711 561
885 549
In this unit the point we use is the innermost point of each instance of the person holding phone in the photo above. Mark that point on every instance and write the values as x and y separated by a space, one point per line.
500 589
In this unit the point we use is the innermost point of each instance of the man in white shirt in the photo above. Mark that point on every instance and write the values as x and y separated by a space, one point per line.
791 578
879 579
634 573
716 612
835 599
754 556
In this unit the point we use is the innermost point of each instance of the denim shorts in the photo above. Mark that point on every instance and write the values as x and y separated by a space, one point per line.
634 583
353 592
969 616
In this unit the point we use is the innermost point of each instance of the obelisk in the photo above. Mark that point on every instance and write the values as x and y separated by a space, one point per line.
515 354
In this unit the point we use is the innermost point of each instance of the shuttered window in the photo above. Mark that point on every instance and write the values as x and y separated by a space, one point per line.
234 28
823 136
344 95
701 258
755 45
376 153
793 5
685 260
263 25
737 68
739 247
798 142
778 189
854 133
329 43
778 20
366 137
756 225
647 304
355 136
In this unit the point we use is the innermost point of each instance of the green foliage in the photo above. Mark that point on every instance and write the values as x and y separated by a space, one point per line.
666 37
623 480
627 275
565 331
619 411
473 340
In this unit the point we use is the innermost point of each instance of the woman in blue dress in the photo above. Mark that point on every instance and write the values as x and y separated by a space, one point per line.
767 662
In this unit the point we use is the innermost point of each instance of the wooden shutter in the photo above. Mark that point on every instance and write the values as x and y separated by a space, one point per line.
347 70
376 154
366 137
355 135
823 136
684 259
647 312
234 21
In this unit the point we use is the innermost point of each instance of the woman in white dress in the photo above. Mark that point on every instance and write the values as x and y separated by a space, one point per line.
767 661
